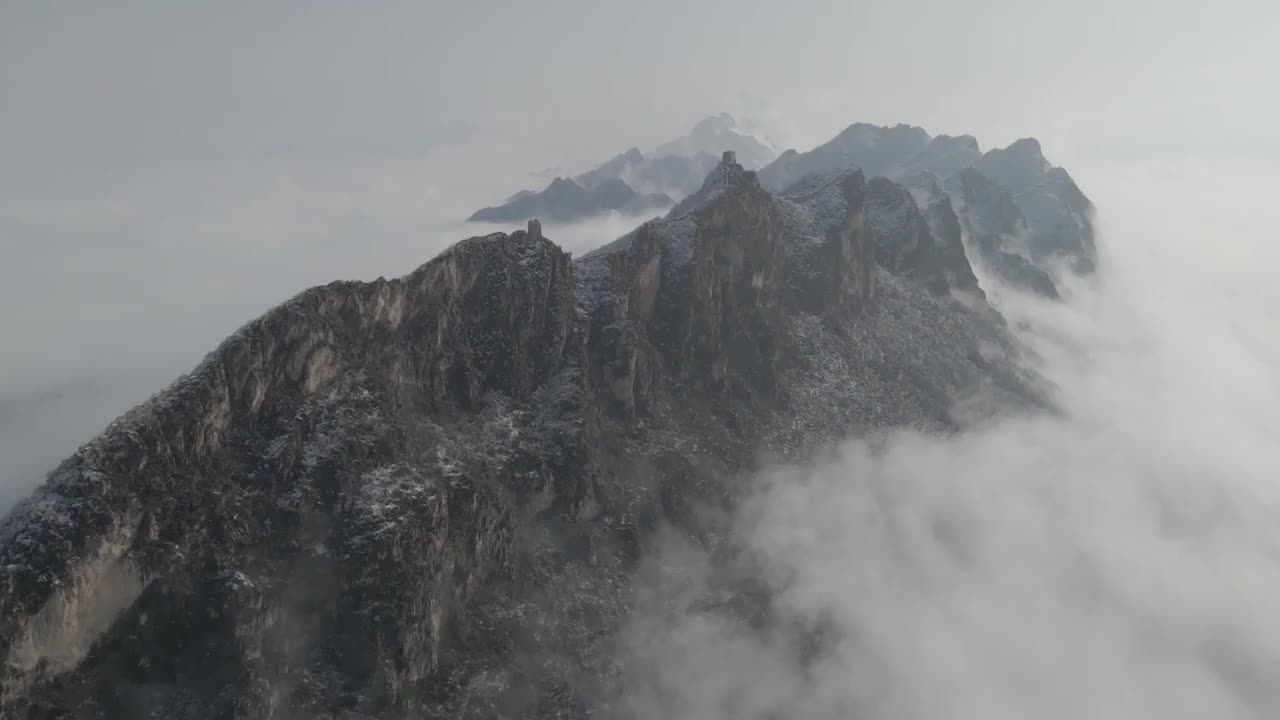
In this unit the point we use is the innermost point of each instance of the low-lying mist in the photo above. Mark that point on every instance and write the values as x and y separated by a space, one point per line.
1117 559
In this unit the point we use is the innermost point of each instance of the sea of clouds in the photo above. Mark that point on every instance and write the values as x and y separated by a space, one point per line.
1119 558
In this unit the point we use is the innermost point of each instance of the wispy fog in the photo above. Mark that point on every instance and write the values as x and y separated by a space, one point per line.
1118 560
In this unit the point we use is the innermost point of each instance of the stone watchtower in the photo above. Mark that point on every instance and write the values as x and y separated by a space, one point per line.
730 158
535 230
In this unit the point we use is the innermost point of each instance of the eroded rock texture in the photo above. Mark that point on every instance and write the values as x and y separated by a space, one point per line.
424 497
1024 219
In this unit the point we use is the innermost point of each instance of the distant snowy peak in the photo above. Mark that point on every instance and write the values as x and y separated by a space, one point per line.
714 135
634 181
1022 214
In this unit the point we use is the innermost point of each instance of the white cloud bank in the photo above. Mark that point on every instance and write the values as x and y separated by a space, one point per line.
1118 560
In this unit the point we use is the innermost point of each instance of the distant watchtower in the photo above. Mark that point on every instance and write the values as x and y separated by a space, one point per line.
730 157
535 230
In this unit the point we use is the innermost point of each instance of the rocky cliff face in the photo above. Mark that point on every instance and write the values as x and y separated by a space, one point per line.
1026 219
424 497
998 231
1058 215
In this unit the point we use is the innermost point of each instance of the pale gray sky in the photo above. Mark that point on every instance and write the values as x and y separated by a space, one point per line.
126 82
170 170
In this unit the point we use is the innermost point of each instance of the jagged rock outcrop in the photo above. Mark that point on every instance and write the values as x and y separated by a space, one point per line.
998 231
1059 216
1029 216
901 237
913 236
830 259
424 497
948 234
564 200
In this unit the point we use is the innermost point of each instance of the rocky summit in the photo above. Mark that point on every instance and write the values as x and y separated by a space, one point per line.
428 496
1024 217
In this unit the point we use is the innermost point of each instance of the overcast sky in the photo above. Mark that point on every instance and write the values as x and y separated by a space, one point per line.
129 82
170 170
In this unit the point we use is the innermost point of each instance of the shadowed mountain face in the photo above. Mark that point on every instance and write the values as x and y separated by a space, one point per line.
1058 214
633 182
427 497
1024 217
998 230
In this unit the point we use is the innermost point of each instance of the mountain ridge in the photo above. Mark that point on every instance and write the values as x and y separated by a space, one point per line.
503 431
1024 218
640 181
